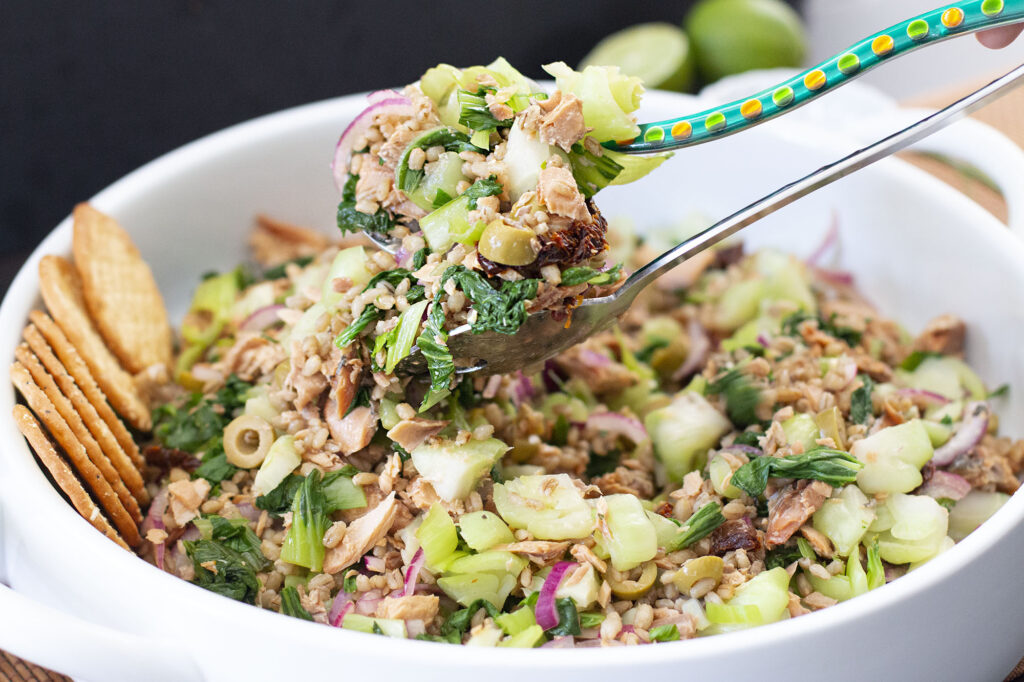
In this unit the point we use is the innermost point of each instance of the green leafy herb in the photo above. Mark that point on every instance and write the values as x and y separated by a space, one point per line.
408 179
198 427
291 604
440 199
748 438
581 274
914 360
591 620
832 466
791 327
278 271
403 454
741 397
860 402
501 310
484 187
781 556
592 172
806 550
664 633
349 583
599 465
279 500
568 618
304 545
458 622
701 524
947 502
476 115
371 313
1000 392
419 259
351 220
946 420
433 345
234 551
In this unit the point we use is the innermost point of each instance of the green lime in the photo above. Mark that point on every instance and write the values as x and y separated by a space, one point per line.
658 53
732 36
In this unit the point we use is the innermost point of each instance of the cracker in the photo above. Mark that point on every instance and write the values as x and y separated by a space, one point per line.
126 469
120 291
79 371
45 382
62 474
62 292
75 451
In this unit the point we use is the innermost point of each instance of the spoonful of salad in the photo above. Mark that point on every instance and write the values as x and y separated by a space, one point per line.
480 188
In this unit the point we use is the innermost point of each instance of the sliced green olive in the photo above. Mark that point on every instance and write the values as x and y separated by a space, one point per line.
632 589
698 569
832 426
508 244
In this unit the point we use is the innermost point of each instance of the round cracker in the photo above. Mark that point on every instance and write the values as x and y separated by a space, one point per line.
74 421
62 474
75 451
120 291
62 292
79 371
97 427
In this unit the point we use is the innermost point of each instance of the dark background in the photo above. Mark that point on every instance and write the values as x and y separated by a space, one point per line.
92 89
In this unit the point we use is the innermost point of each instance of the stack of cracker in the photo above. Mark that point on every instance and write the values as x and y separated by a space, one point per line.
75 372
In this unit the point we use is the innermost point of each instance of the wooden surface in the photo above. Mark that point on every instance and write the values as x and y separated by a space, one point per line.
1003 114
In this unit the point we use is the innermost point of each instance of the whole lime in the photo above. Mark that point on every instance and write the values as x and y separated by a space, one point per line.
732 36
658 53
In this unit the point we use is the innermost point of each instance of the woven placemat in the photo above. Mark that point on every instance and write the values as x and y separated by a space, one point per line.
1003 114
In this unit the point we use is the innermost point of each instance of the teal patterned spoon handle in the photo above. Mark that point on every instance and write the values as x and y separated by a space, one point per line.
935 26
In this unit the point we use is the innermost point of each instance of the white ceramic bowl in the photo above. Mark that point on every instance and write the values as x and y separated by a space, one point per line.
81 605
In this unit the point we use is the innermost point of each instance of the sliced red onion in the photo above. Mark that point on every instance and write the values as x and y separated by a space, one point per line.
700 348
588 643
155 519
397 105
339 609
413 572
944 484
367 607
414 628
560 642
403 258
250 512
627 629
830 240
618 424
748 450
375 564
381 95
763 340
929 397
262 318
970 432
523 389
592 358
545 611
836 277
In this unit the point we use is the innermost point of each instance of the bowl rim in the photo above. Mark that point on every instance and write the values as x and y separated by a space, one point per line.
24 479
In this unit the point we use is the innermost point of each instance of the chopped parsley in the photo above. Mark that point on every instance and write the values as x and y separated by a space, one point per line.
860 402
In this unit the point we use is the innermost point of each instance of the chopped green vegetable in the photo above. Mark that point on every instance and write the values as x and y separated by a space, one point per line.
291 604
371 313
279 271
592 172
475 114
591 620
581 274
876 571
609 98
683 431
458 622
404 335
701 524
791 327
664 633
914 360
860 401
484 187
407 179
279 500
781 556
304 544
832 466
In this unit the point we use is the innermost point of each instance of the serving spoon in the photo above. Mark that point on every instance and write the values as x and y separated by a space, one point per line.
544 335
